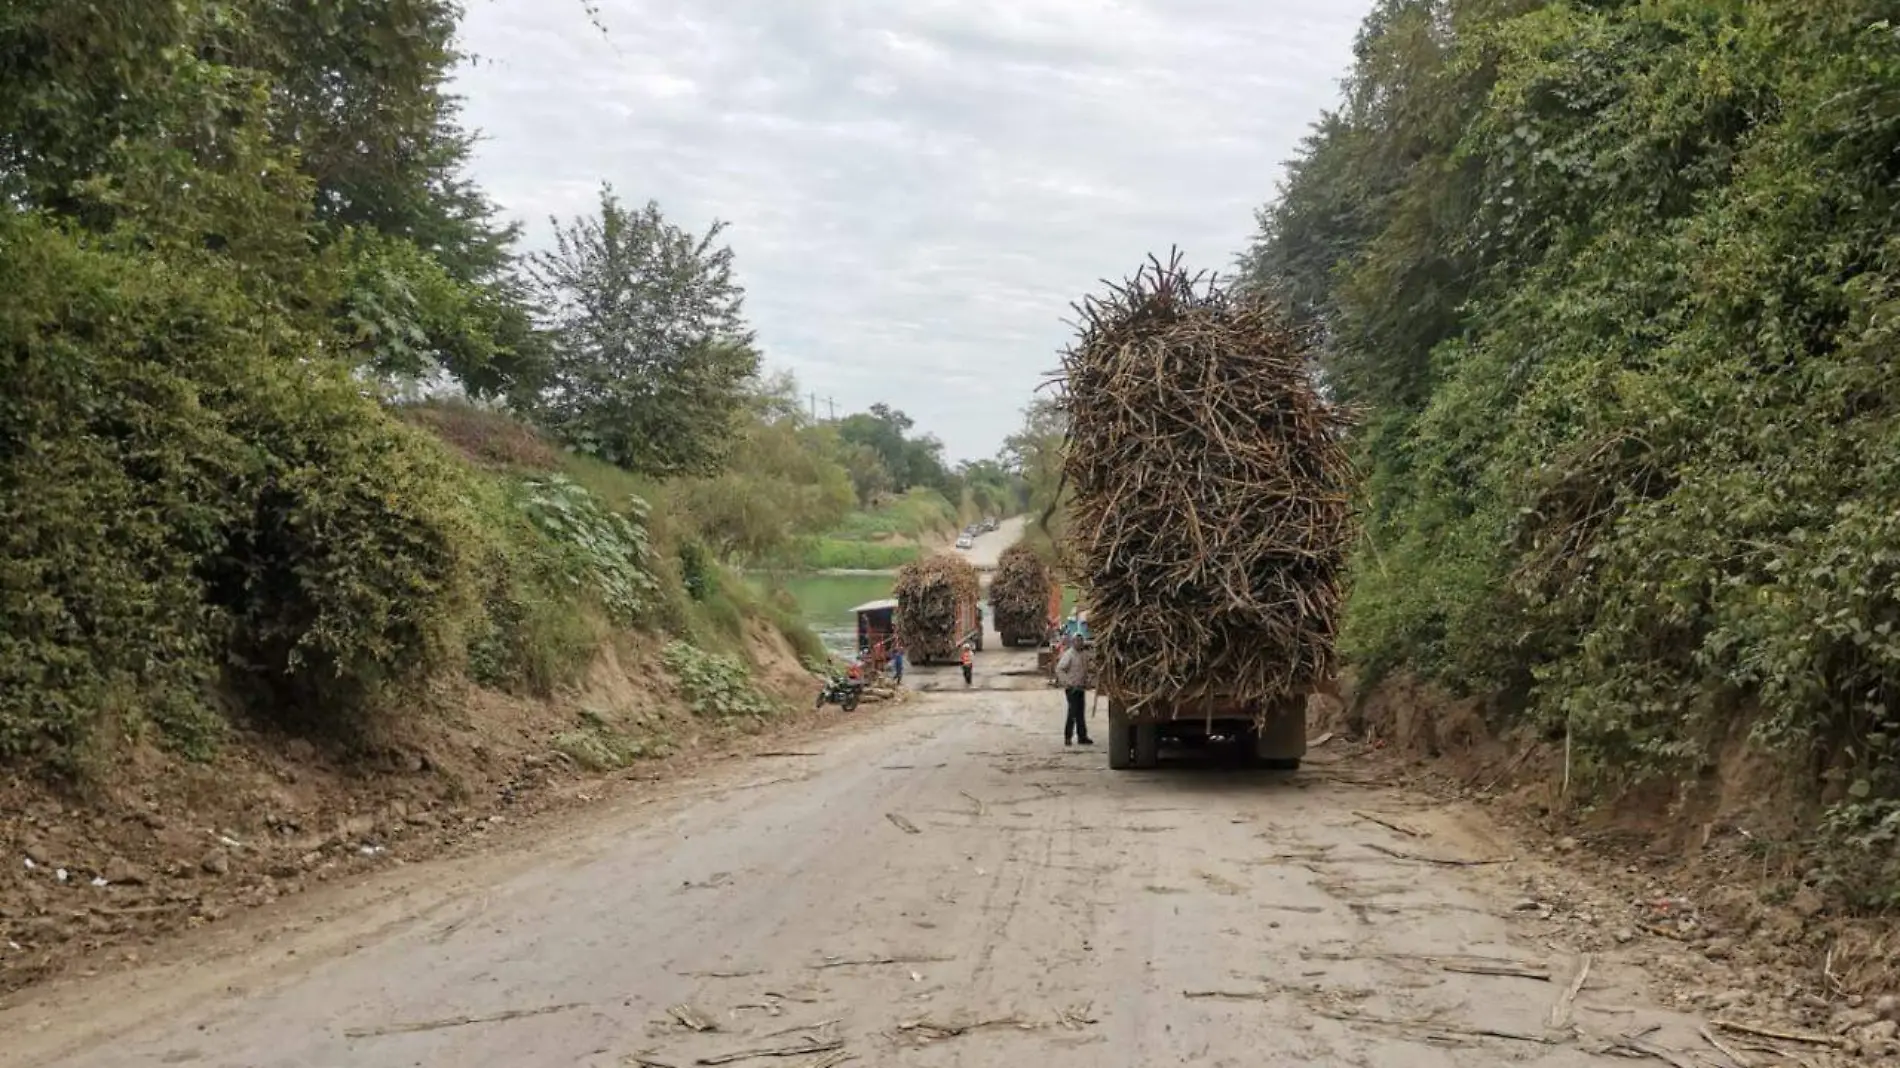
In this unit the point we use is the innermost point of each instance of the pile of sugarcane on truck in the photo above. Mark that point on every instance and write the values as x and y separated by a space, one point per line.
938 609
1209 511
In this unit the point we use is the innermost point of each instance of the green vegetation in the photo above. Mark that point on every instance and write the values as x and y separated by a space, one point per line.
886 535
233 235
651 354
1033 455
907 497
715 685
605 552
1615 288
597 744
844 554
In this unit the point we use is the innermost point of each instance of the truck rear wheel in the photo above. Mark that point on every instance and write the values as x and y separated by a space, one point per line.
1121 739
1282 738
1147 745
1247 747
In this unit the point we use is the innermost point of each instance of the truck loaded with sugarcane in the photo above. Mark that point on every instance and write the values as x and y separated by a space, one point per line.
1209 516
938 609
1024 597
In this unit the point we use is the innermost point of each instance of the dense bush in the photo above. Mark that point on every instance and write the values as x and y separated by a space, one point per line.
229 234
714 684
1618 285
181 493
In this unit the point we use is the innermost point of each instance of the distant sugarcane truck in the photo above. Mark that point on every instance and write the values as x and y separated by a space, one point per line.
1024 598
938 638
938 610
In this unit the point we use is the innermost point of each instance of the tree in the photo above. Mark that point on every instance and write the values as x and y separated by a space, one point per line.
991 488
910 461
261 130
784 483
869 477
651 354
1033 454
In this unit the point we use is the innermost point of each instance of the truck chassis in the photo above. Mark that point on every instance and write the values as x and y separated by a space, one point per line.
1275 739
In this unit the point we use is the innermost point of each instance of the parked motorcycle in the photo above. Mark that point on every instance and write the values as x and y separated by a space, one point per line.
843 692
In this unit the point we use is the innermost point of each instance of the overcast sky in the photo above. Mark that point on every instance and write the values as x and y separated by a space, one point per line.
917 188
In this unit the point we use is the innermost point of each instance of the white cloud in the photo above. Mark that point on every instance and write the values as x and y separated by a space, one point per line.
917 188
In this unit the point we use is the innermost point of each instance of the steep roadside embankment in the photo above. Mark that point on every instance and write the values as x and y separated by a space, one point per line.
550 689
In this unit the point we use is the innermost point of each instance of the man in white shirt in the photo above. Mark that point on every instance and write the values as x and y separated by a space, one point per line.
1072 673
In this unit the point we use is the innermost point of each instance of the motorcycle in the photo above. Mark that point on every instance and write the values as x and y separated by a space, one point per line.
843 692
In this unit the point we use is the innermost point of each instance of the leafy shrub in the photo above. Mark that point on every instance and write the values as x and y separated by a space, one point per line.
188 497
836 554
1619 285
352 565
697 570
534 634
607 552
716 685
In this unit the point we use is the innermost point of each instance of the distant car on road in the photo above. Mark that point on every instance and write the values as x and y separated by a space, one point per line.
965 542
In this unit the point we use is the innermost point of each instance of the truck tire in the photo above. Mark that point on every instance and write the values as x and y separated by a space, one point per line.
1147 745
1282 737
1247 747
1121 741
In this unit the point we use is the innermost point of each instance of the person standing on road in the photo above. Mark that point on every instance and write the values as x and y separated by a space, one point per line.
897 662
1072 673
969 663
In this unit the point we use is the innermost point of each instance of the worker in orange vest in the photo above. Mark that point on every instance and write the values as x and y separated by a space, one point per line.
968 663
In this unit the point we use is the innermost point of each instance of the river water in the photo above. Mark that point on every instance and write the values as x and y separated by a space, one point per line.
826 601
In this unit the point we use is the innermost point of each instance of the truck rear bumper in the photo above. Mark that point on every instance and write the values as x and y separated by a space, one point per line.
1276 738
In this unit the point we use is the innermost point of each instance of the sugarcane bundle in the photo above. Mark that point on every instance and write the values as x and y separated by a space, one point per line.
1019 594
1209 513
931 594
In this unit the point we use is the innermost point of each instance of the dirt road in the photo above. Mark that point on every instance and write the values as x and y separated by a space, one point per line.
941 884
988 548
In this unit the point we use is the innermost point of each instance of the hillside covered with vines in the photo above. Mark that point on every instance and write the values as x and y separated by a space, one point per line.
1615 288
